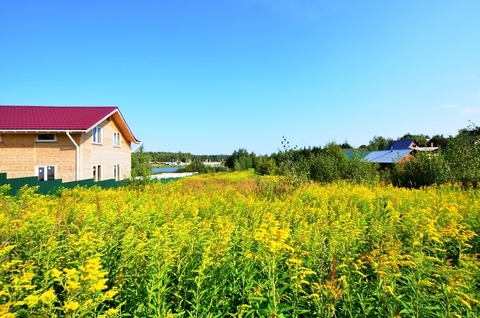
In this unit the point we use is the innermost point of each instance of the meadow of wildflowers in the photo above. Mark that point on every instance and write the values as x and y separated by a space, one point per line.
235 245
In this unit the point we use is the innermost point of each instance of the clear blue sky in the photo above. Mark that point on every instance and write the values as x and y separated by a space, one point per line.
213 76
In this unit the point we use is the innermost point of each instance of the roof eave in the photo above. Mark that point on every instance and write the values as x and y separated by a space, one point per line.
41 130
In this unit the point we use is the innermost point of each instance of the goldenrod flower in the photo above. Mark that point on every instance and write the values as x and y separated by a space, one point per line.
112 311
31 300
27 278
99 285
48 297
71 306
109 295
72 286
56 273
70 273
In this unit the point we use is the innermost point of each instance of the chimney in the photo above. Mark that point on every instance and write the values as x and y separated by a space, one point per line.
431 144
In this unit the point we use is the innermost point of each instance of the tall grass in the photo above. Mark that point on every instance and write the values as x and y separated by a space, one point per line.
239 246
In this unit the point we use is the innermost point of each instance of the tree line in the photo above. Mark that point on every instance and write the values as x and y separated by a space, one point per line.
457 160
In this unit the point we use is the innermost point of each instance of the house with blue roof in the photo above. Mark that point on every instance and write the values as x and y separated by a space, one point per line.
397 151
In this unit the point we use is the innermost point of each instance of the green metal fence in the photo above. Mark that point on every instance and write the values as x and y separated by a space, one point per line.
50 186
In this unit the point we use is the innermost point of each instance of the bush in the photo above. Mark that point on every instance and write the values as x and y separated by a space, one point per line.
197 166
424 170
330 165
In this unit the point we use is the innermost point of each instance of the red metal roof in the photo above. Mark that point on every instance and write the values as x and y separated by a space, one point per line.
59 118
52 117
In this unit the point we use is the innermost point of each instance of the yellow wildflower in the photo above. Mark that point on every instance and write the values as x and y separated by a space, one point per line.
31 300
112 311
56 273
27 277
70 273
48 297
71 306
73 286
295 261
99 285
109 295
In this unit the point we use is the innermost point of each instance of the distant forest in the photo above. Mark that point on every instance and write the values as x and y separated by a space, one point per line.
159 157
457 160
376 143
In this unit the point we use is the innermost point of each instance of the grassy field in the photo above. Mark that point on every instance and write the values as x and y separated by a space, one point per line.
234 245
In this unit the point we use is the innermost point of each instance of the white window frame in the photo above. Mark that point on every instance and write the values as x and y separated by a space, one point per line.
116 139
97 135
37 139
116 172
45 169
97 173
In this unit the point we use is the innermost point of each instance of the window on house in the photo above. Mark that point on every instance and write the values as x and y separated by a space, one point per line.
116 172
97 135
97 173
116 139
46 138
46 173
1 138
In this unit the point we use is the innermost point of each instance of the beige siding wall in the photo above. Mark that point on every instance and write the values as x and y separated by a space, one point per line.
105 154
21 154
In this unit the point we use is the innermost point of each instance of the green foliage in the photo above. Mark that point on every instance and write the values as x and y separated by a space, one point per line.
330 165
294 163
421 139
463 156
378 143
425 169
265 165
361 171
163 156
240 160
439 141
196 166
140 164
346 145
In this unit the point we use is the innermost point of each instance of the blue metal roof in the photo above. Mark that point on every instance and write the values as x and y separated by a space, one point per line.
387 156
399 144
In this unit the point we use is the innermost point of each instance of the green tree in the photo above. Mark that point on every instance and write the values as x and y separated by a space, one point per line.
196 166
378 143
463 156
345 145
426 169
421 139
439 141
141 164
330 165
266 166
240 160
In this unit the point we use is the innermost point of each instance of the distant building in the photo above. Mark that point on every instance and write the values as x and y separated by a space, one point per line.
397 151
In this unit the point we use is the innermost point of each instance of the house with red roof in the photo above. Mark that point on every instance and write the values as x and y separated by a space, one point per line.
65 142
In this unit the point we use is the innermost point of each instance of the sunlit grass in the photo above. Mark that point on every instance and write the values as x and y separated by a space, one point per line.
238 245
